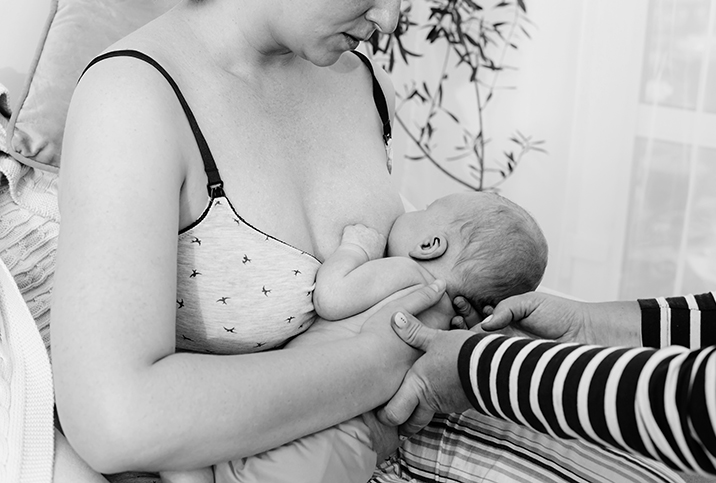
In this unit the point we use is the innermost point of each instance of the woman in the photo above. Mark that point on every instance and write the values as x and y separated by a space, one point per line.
287 133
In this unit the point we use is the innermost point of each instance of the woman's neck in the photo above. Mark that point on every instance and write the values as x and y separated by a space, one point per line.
236 35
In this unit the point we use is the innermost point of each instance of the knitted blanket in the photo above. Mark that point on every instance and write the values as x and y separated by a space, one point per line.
29 224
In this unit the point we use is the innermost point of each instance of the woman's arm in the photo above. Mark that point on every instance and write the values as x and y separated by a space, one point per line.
125 398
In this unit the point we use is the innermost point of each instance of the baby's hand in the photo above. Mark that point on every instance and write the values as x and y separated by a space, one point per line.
372 242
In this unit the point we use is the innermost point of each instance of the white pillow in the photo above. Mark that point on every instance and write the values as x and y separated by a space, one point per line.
76 31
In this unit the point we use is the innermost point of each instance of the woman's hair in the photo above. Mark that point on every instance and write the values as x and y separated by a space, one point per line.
504 253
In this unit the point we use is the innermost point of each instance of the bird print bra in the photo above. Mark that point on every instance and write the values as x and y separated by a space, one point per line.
239 289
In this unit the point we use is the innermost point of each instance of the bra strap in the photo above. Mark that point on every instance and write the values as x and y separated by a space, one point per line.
215 185
378 98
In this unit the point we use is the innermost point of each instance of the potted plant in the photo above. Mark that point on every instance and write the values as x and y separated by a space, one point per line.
470 40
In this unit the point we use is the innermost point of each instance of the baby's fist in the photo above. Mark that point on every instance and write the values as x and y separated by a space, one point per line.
372 242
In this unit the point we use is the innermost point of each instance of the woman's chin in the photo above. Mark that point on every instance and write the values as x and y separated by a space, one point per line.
328 54
327 59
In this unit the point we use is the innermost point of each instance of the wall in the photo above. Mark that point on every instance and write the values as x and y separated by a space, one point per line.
22 24
573 88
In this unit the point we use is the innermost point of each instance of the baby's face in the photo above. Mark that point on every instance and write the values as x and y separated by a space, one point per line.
411 229
405 232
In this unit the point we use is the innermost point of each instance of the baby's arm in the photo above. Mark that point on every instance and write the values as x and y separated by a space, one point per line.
354 277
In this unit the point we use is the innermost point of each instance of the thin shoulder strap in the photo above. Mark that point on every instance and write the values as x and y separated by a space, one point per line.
215 186
378 98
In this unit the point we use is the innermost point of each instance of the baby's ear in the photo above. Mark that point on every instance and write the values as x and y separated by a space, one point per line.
431 248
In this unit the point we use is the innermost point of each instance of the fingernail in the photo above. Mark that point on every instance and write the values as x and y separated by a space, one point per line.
486 319
438 285
400 320
402 437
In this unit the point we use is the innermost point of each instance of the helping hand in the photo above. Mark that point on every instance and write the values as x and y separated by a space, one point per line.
432 384
540 315
372 242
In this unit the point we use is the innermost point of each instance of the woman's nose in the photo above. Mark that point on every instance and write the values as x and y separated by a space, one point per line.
384 14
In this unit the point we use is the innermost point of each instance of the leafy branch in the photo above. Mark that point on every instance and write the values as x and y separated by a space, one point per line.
475 42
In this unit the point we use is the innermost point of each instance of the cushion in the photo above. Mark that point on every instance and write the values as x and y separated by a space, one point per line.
75 32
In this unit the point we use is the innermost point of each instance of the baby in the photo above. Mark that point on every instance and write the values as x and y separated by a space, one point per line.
484 246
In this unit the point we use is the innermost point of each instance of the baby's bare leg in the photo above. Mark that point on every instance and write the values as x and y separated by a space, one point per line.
203 475
69 467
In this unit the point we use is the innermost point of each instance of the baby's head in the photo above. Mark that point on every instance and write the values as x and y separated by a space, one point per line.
483 245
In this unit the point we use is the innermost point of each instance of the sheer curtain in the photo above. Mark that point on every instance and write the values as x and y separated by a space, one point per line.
624 94
671 239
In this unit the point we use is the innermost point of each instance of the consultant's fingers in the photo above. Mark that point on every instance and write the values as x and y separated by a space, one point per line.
401 405
412 331
509 310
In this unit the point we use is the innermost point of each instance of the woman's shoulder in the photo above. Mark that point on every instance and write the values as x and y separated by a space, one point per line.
124 113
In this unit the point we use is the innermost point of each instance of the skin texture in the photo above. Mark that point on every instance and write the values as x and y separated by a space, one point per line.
545 316
299 148
328 22
422 245
417 228
432 383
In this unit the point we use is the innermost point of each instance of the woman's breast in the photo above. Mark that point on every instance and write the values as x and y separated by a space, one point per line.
238 289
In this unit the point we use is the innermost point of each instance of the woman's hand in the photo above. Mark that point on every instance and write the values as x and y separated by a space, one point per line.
428 302
384 439
432 385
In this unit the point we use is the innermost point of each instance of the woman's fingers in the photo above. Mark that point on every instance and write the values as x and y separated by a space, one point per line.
412 331
402 405
423 298
420 418
408 408
383 438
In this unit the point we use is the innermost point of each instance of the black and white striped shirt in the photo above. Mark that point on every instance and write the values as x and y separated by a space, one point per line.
658 400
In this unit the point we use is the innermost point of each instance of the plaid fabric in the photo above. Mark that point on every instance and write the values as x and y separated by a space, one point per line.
473 447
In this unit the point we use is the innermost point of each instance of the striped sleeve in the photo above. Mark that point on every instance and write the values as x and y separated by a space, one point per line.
657 403
689 321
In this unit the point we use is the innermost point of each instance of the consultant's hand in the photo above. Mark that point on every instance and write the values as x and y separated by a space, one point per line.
545 316
540 315
432 384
